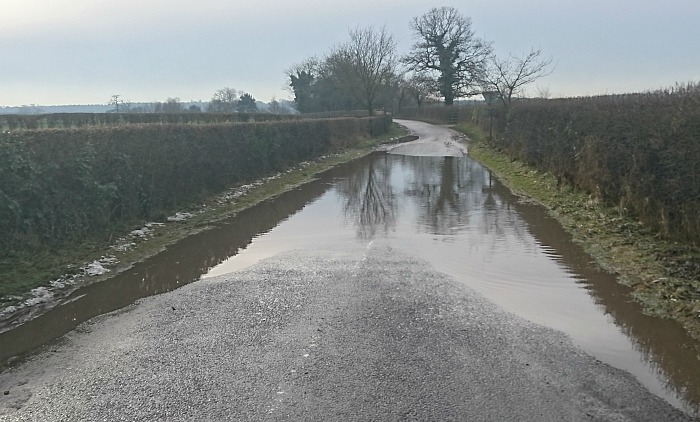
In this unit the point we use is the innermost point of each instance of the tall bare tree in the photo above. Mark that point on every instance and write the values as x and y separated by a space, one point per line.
448 52
508 76
365 65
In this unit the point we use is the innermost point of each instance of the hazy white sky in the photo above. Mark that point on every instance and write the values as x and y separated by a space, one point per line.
83 51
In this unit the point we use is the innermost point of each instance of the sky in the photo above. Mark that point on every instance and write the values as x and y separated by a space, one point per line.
59 52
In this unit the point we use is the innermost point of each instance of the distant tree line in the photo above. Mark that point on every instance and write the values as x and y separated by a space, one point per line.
447 62
224 100
75 120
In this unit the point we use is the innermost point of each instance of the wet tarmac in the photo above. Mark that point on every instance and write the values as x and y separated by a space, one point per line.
448 211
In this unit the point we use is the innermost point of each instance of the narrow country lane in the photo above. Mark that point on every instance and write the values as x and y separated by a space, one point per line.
335 330
433 141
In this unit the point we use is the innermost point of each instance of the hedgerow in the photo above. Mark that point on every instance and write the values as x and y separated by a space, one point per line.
72 120
640 152
57 185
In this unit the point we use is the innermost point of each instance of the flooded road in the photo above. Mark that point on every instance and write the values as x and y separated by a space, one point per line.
452 212
448 211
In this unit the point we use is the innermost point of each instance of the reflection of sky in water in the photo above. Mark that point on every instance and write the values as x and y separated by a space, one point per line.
447 211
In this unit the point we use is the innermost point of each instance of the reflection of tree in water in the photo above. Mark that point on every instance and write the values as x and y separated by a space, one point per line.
497 214
450 191
445 210
500 222
442 190
369 199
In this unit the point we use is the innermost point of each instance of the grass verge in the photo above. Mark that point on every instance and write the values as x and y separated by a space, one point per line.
664 275
22 272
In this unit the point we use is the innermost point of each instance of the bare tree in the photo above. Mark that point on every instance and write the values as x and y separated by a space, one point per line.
360 73
366 65
447 51
509 75
224 100
543 92
422 89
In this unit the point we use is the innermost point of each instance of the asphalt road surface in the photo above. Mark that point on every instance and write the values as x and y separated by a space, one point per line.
348 334
361 331
432 141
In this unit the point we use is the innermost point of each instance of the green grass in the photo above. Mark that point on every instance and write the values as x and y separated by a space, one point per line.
664 275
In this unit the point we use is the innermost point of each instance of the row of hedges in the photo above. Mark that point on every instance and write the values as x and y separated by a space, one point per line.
640 152
57 185
70 120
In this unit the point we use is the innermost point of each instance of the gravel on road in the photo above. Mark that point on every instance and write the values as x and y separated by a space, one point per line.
354 332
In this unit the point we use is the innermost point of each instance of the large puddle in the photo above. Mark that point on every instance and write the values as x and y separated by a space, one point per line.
448 211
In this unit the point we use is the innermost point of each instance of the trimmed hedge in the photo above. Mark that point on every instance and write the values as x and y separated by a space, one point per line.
57 185
640 152
71 120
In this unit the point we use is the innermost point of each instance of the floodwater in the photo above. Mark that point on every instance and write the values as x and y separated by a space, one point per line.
452 213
